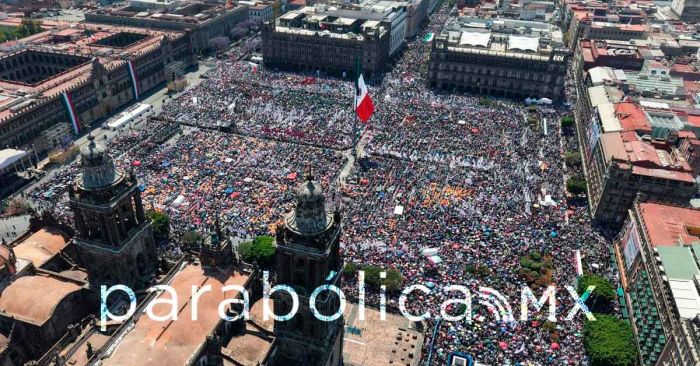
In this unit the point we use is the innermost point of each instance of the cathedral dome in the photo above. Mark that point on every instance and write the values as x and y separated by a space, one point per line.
98 167
93 153
309 191
309 216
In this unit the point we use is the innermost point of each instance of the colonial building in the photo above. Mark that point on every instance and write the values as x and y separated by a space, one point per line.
201 21
489 57
308 256
658 254
629 147
331 38
113 233
78 75
416 12
615 54
624 164
43 293
688 10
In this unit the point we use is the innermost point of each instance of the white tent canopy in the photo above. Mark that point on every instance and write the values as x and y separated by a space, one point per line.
10 156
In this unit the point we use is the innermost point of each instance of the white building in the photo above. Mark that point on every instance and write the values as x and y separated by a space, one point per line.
261 11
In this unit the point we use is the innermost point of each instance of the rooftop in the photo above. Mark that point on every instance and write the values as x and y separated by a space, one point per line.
347 21
191 12
33 299
645 159
51 63
251 348
686 298
154 343
679 262
41 246
503 37
4 256
670 225
631 117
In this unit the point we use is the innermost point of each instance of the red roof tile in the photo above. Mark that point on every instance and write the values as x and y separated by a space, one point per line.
632 117
667 225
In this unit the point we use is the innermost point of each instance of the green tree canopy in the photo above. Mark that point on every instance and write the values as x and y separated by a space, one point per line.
576 185
393 281
572 158
190 238
609 342
350 269
567 121
261 251
27 27
160 222
604 294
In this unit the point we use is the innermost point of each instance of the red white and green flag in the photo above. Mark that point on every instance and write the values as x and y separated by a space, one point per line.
67 99
363 103
134 76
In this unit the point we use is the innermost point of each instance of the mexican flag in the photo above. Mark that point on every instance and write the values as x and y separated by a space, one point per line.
363 103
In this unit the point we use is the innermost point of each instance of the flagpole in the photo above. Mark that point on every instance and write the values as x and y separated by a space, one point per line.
354 106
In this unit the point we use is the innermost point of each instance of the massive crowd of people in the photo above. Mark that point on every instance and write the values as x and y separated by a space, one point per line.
473 181
249 100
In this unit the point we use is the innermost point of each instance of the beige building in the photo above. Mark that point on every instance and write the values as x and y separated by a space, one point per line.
90 67
489 57
202 21
624 164
331 38
658 257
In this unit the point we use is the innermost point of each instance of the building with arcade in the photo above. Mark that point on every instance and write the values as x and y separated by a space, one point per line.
502 57
330 38
75 75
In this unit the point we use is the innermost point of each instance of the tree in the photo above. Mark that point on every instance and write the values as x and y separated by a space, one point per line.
238 32
160 222
533 121
576 185
350 269
372 276
16 207
485 101
609 342
604 294
27 27
219 43
567 121
190 238
572 158
261 251
536 269
393 281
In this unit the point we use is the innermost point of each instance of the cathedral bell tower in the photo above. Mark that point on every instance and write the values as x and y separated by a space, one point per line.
113 234
308 256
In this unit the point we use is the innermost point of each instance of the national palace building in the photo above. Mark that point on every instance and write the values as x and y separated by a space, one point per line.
60 81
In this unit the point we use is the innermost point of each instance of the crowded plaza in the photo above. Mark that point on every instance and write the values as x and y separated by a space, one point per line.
472 181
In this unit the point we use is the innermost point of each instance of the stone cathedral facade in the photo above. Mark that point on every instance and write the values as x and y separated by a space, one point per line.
308 256
112 231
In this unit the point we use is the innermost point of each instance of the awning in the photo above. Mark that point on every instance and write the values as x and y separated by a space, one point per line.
10 156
